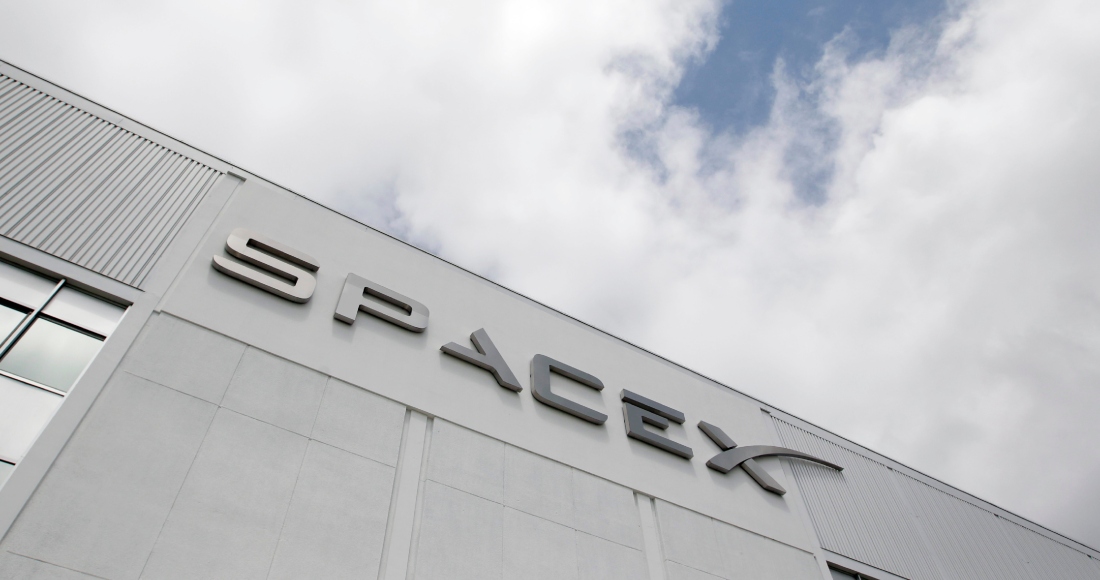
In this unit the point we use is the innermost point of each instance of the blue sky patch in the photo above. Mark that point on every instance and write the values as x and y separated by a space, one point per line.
731 87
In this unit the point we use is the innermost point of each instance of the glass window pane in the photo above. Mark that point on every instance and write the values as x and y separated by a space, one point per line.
24 411
51 354
9 319
23 287
84 310
838 575
5 471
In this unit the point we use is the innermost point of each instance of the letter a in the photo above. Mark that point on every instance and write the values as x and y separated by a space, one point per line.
487 357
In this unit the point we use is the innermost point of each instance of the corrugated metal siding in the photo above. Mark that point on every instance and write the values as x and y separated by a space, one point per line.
86 190
858 512
968 541
1041 557
895 522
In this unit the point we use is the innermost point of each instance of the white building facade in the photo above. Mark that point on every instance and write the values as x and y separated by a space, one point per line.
204 375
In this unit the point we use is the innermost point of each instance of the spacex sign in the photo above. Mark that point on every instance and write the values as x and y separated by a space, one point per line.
288 273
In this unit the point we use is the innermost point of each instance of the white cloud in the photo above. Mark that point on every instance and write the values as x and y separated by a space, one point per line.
940 304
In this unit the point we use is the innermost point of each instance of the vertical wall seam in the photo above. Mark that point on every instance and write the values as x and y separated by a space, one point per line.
651 536
387 538
286 512
418 512
197 249
400 528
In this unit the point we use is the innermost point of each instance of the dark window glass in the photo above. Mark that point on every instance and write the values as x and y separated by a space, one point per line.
5 471
838 575
9 319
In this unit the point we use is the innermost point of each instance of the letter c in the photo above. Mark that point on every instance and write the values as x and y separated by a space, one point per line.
541 367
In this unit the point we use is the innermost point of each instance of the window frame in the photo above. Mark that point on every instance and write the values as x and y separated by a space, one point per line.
32 315
39 313
849 571
141 301
21 332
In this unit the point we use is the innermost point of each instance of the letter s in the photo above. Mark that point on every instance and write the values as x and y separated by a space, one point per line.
292 279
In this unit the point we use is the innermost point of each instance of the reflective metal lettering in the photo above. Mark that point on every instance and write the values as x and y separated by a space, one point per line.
291 280
541 367
640 411
733 456
360 294
487 357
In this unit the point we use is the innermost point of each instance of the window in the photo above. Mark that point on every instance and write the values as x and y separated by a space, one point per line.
49 332
845 575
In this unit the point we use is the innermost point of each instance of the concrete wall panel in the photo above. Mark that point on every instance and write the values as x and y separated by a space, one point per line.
680 572
461 536
748 556
689 538
185 357
13 567
226 520
275 391
409 368
538 549
599 559
337 519
360 422
606 510
101 506
538 486
467 461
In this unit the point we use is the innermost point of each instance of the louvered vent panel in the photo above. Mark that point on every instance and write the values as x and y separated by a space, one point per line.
88 191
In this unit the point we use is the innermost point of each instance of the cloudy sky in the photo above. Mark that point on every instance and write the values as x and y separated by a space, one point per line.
879 215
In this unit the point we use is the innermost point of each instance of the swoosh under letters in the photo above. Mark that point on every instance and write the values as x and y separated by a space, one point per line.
731 458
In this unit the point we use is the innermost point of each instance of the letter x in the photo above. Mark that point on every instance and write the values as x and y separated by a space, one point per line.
733 456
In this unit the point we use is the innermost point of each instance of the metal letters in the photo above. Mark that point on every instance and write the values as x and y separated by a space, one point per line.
487 357
541 367
292 280
733 456
638 410
403 311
